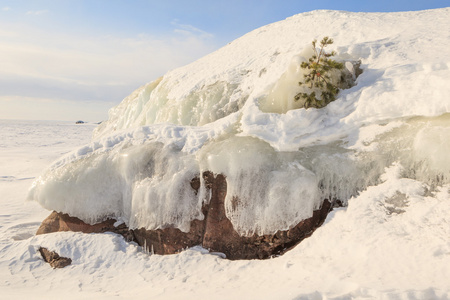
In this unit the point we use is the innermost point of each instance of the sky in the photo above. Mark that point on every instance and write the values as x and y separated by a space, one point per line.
75 59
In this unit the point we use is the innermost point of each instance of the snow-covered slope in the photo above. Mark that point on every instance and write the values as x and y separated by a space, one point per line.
233 112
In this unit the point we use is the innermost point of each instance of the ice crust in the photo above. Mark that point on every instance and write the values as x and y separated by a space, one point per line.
231 112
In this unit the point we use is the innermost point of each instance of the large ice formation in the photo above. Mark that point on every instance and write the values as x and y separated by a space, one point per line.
232 112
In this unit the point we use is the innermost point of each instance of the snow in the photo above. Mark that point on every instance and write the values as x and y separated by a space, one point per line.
382 148
391 242
242 97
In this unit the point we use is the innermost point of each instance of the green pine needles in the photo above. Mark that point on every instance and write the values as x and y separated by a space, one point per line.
318 76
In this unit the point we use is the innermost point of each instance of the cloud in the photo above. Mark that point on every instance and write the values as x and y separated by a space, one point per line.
106 60
32 108
38 64
37 12
6 8
187 29
55 88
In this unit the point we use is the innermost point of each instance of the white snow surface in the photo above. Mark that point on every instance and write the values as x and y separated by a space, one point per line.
233 112
382 148
391 242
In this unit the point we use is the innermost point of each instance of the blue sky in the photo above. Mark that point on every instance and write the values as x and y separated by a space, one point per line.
74 59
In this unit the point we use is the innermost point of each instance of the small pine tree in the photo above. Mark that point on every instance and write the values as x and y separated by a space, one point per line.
318 76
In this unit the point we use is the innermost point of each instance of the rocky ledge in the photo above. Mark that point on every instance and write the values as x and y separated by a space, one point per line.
215 232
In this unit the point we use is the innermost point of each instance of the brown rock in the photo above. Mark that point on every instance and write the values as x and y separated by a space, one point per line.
170 240
220 235
63 222
215 232
54 259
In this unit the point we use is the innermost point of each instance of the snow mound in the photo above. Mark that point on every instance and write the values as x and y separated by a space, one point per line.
280 161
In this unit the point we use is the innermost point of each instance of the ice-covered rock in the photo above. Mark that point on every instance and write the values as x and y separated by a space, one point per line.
280 163
214 232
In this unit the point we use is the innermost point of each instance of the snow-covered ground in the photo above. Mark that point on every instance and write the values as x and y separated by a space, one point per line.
381 246
382 147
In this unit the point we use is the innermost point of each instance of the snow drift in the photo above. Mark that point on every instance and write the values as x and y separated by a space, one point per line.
232 112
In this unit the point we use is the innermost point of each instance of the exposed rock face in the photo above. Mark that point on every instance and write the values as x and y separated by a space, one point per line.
63 222
220 235
54 259
215 232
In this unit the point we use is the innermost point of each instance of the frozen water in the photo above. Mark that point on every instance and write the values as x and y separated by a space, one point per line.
233 112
